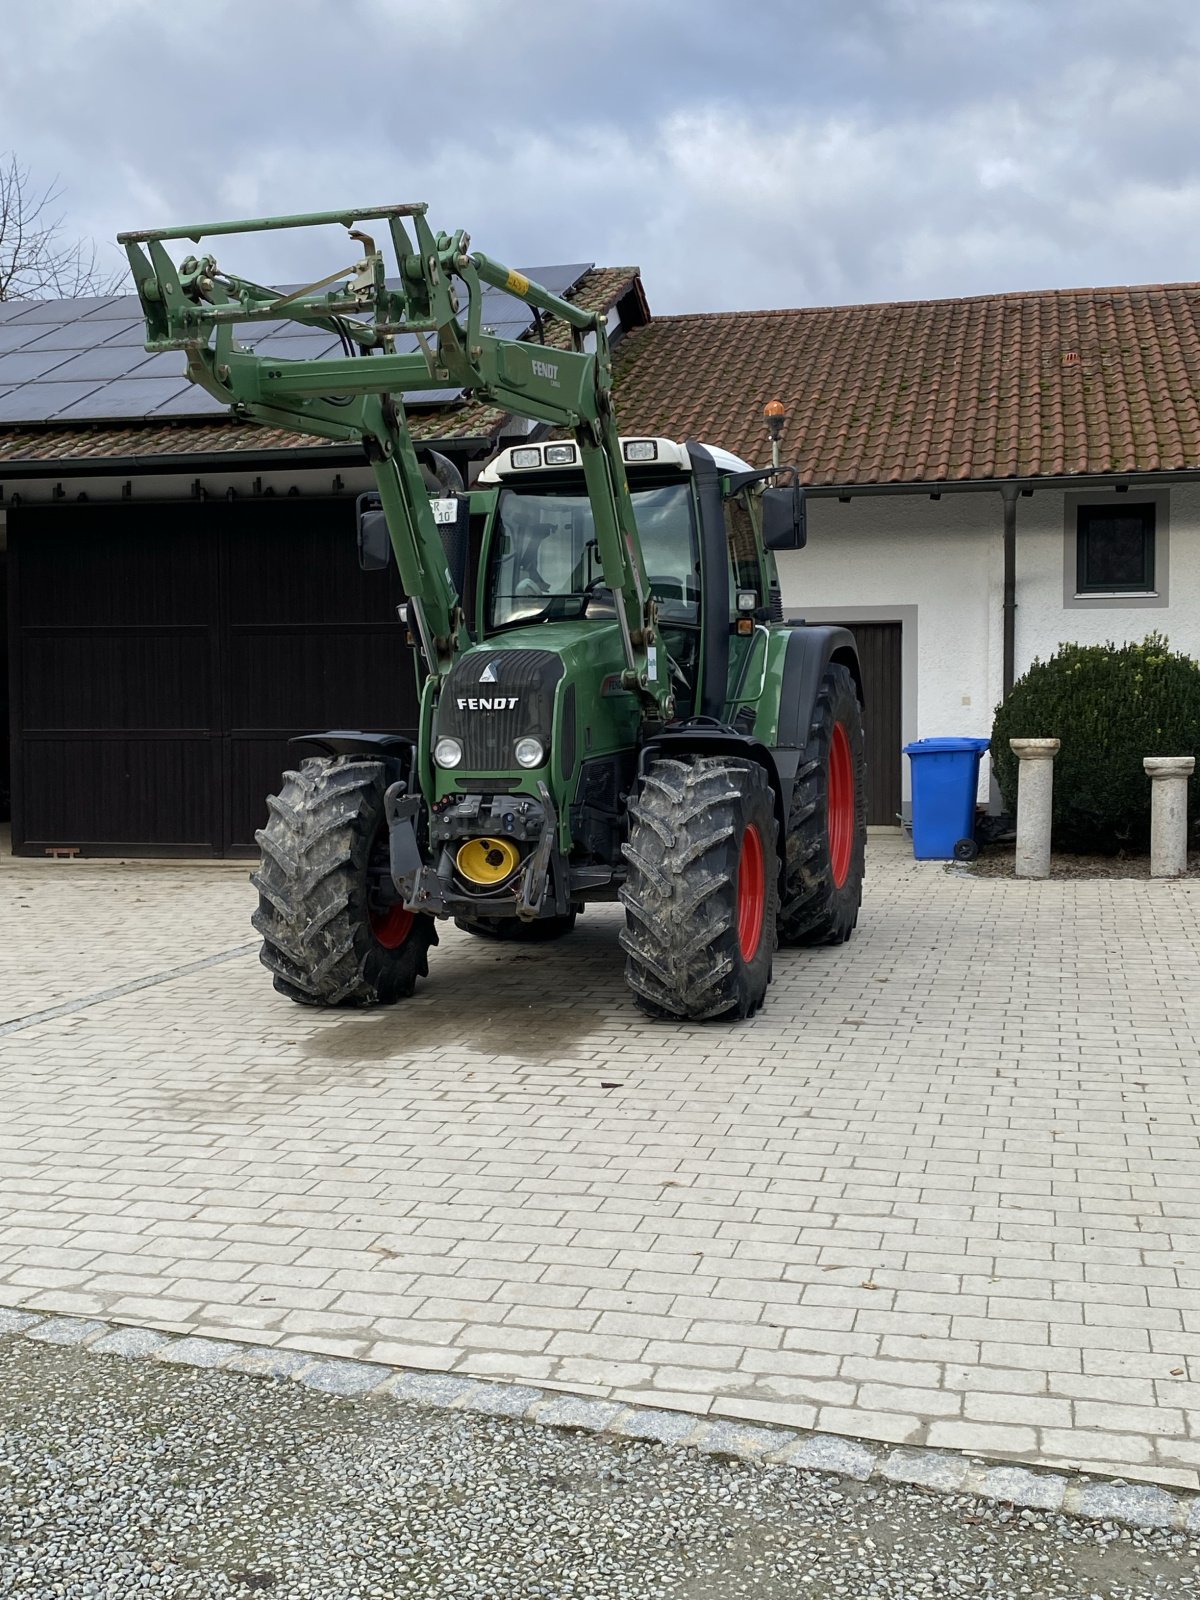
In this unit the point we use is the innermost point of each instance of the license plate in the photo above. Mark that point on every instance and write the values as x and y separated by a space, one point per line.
444 511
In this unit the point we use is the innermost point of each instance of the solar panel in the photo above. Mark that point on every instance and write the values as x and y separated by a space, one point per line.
190 402
113 332
559 279
114 309
69 335
309 344
39 402
67 310
20 366
106 361
124 397
12 337
77 360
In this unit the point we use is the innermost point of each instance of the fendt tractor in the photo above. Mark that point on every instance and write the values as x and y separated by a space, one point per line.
621 712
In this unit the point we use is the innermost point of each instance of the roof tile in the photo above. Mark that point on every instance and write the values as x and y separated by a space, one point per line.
1036 384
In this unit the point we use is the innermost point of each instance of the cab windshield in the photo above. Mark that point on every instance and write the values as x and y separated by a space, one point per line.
545 565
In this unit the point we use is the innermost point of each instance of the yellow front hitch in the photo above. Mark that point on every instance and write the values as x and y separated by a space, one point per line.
487 861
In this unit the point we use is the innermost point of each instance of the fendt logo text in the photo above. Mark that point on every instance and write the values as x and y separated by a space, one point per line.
498 702
546 369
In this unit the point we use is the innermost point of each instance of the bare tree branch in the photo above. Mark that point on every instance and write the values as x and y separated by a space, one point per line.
37 260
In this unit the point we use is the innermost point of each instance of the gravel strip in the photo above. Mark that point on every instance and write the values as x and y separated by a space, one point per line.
997 861
127 1477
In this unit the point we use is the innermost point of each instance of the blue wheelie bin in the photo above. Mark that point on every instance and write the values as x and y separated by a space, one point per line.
945 780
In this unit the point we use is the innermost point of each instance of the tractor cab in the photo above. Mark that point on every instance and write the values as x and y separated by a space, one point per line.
541 559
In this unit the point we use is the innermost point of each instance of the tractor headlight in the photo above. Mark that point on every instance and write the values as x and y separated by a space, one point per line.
447 752
529 752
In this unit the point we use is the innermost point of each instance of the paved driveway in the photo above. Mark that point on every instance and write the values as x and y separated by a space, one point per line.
943 1190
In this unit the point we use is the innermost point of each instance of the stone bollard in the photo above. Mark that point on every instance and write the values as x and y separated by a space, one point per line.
1035 794
1168 813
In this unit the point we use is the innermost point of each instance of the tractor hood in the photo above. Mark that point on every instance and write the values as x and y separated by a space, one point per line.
521 685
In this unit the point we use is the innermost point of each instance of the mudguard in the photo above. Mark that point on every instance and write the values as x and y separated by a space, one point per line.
810 649
808 652
353 742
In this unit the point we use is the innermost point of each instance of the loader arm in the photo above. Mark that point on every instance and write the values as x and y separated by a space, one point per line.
195 307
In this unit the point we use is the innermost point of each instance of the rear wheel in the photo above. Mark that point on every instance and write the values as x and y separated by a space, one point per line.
330 935
827 821
701 895
516 931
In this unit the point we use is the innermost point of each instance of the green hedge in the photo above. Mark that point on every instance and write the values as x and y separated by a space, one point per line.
1110 705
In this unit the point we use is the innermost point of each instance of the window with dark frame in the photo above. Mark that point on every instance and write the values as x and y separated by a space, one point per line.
1115 549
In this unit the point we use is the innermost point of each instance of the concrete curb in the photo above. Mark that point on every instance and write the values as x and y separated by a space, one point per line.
1135 1505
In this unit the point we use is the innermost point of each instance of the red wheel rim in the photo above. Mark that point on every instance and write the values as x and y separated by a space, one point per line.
751 894
391 927
841 805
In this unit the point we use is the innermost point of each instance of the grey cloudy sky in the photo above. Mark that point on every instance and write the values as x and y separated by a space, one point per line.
743 154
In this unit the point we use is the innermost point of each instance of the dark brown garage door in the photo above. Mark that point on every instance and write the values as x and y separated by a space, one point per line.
162 656
880 657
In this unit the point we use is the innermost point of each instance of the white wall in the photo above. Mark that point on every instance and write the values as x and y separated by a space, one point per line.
938 566
940 560
1044 622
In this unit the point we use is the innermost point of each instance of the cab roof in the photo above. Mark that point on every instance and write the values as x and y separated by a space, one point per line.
524 460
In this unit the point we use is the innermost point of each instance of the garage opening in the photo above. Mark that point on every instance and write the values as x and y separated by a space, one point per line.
879 652
5 729
163 655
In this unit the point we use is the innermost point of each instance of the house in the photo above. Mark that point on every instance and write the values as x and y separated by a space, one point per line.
987 477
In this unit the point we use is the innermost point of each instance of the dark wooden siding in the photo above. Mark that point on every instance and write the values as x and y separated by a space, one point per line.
163 655
5 789
879 653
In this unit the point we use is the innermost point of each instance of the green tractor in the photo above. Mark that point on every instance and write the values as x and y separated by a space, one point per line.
621 713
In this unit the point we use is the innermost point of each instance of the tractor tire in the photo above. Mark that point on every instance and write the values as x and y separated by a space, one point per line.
827 821
513 931
702 890
324 846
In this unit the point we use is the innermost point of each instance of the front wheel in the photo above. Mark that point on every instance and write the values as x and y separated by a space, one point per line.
331 937
827 821
702 890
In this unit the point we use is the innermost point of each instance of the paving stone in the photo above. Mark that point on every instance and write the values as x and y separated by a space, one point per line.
17 1321
343 1377
500 1399
1139 1504
665 1427
264 1361
735 1439
430 1388
569 1412
928 1468
66 1330
194 1352
130 1342
1041 1491
826 1452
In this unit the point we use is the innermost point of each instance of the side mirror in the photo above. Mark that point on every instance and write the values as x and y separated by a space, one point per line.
784 519
374 541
